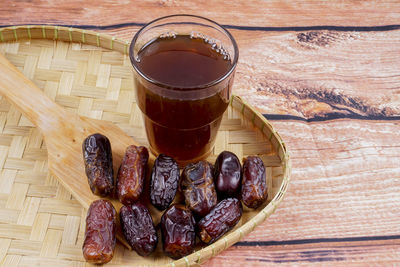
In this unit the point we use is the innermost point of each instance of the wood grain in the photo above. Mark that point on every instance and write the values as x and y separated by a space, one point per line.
322 74
343 204
346 179
249 13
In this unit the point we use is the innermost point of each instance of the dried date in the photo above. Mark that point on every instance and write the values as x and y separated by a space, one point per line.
97 156
131 174
197 185
223 217
164 181
178 232
227 174
98 246
254 182
138 228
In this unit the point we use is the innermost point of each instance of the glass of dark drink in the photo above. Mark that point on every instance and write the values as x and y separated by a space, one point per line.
184 67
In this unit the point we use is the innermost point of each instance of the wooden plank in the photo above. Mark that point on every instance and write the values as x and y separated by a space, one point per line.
319 73
345 185
249 13
341 204
345 254
345 181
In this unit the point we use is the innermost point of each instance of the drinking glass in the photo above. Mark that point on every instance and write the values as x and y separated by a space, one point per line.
183 121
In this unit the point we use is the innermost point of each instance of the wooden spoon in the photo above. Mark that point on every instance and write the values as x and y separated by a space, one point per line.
63 133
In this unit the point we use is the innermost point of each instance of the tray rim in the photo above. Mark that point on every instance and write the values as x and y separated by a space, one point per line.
89 37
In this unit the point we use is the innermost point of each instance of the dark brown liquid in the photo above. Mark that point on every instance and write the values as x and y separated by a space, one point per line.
182 116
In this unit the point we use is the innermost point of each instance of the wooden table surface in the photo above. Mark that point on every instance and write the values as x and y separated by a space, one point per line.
327 75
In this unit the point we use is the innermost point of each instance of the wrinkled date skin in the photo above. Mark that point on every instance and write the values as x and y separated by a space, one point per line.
101 222
254 183
131 174
97 156
223 217
197 185
227 174
138 228
164 181
178 232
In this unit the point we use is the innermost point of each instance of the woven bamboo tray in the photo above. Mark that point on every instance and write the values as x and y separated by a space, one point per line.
90 74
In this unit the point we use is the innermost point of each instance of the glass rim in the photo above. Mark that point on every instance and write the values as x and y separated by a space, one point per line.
187 88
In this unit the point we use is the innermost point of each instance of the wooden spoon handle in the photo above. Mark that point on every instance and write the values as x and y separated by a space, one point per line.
28 98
